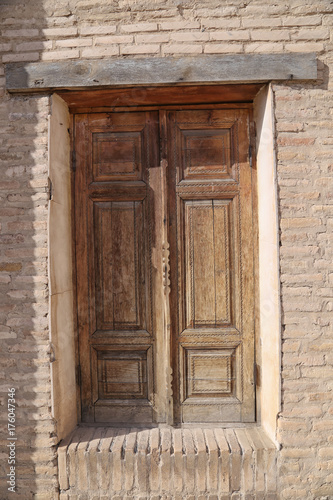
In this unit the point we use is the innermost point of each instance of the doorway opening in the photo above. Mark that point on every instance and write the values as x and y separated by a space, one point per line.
166 245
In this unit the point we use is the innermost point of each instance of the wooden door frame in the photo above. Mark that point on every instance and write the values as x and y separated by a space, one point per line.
265 142
162 111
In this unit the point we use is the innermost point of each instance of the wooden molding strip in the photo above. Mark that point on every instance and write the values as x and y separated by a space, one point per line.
205 69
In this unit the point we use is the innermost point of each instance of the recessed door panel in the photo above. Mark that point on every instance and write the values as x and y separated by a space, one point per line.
208 264
117 155
120 255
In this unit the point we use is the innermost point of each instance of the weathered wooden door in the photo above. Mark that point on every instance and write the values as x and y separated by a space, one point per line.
164 257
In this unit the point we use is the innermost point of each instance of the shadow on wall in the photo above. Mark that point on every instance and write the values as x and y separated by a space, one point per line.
25 364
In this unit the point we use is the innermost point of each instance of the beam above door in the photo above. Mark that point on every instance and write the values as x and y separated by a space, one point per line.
205 69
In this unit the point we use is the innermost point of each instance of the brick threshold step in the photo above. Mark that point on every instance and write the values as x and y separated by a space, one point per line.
167 463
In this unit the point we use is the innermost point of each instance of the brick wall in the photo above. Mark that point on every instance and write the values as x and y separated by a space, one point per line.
44 30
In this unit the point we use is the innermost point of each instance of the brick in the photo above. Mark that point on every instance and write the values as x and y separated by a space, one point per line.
305 250
326 465
182 49
74 42
97 30
311 34
302 359
200 472
178 462
184 36
100 52
6 333
31 46
261 22
23 33
155 38
60 55
325 490
116 462
46 495
82 460
295 141
140 49
270 35
290 127
129 461
304 47
297 453
302 21
229 35
165 459
263 47
154 461
62 466
182 25
323 181
223 48
326 452
324 425
104 459
59 32
317 371
23 57
109 40
288 493
299 222
142 466
289 346
189 460
212 475
309 411
11 266
292 425
136 28
221 23
224 12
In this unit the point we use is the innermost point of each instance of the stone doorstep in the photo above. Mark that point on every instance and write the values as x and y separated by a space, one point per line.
104 462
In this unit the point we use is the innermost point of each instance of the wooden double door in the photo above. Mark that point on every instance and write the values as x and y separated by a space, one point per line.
164 245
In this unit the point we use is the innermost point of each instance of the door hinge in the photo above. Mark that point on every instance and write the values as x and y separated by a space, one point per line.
256 375
252 143
73 160
50 188
78 375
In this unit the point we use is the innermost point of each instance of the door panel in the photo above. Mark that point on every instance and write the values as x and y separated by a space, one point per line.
207 263
115 271
212 287
131 206
117 156
121 270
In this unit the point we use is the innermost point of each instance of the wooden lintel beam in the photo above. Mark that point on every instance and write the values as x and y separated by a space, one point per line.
206 69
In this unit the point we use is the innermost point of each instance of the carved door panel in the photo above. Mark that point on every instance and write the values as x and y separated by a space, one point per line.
144 179
212 299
